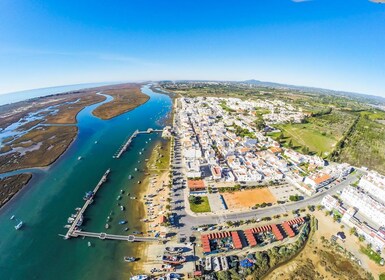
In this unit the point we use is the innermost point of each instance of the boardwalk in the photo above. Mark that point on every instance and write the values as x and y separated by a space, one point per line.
103 235
83 209
127 143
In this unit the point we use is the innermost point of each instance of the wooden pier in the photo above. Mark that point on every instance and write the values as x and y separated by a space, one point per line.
103 236
80 213
127 143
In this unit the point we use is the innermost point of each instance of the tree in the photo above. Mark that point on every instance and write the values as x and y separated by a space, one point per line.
353 231
290 144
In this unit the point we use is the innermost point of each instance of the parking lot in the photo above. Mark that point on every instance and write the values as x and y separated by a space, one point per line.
283 192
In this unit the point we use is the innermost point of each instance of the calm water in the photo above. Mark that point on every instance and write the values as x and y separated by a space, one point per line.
37 252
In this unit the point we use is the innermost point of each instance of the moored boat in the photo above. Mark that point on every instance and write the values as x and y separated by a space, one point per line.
173 259
129 259
122 222
107 226
174 250
19 225
139 277
122 207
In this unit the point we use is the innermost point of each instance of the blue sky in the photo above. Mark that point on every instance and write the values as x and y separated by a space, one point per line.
336 44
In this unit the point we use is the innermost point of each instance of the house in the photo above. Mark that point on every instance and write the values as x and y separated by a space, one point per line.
329 202
319 180
216 172
196 186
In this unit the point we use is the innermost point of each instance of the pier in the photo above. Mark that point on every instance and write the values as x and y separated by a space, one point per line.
103 235
80 213
127 143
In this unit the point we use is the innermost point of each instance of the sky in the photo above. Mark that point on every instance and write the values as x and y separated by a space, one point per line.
334 44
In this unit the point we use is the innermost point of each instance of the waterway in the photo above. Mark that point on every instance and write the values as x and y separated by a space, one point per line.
37 251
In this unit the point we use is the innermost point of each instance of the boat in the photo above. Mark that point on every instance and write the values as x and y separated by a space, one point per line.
173 259
96 142
122 191
107 226
79 158
70 220
140 153
130 177
139 182
89 244
122 222
136 169
137 232
12 217
139 277
129 259
119 197
80 221
122 207
174 250
126 229
88 195
133 197
19 225
172 276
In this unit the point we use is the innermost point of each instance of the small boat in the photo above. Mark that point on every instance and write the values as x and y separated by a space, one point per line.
89 244
70 220
19 225
173 259
80 221
122 191
119 197
122 207
133 197
139 182
126 229
130 177
96 142
136 169
139 277
12 217
107 226
108 219
140 153
67 226
79 158
129 259
88 195
174 250
78 208
172 276
137 232
122 222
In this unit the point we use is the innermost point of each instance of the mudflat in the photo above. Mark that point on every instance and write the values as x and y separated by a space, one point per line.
126 98
9 186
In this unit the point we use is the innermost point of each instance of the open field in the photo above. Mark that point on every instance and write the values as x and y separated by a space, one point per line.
126 98
39 147
201 206
365 146
319 134
248 198
9 186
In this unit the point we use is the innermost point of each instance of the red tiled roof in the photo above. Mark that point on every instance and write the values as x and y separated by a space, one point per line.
236 240
288 229
276 232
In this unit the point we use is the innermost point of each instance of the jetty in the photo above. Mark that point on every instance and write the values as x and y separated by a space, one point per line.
72 229
127 142
103 236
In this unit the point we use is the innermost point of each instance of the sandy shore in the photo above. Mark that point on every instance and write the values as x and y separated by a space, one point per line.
155 193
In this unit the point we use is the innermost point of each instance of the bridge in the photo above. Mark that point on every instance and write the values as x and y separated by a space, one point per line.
127 143
103 236
80 213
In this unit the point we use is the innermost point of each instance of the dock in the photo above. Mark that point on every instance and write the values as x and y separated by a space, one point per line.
103 236
127 142
71 230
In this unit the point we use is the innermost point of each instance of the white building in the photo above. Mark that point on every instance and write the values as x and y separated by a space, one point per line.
374 184
366 205
329 202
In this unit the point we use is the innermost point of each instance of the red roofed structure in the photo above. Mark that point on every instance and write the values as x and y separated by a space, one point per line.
277 233
288 229
250 237
236 240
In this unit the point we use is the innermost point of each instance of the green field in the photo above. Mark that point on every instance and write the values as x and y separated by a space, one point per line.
319 135
374 256
366 144
200 206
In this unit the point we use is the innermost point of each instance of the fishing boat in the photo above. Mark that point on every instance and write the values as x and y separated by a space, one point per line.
80 221
174 250
79 157
19 225
173 259
70 220
12 217
89 244
107 226
122 207
130 177
119 197
88 195
122 222
129 259
126 229
139 277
